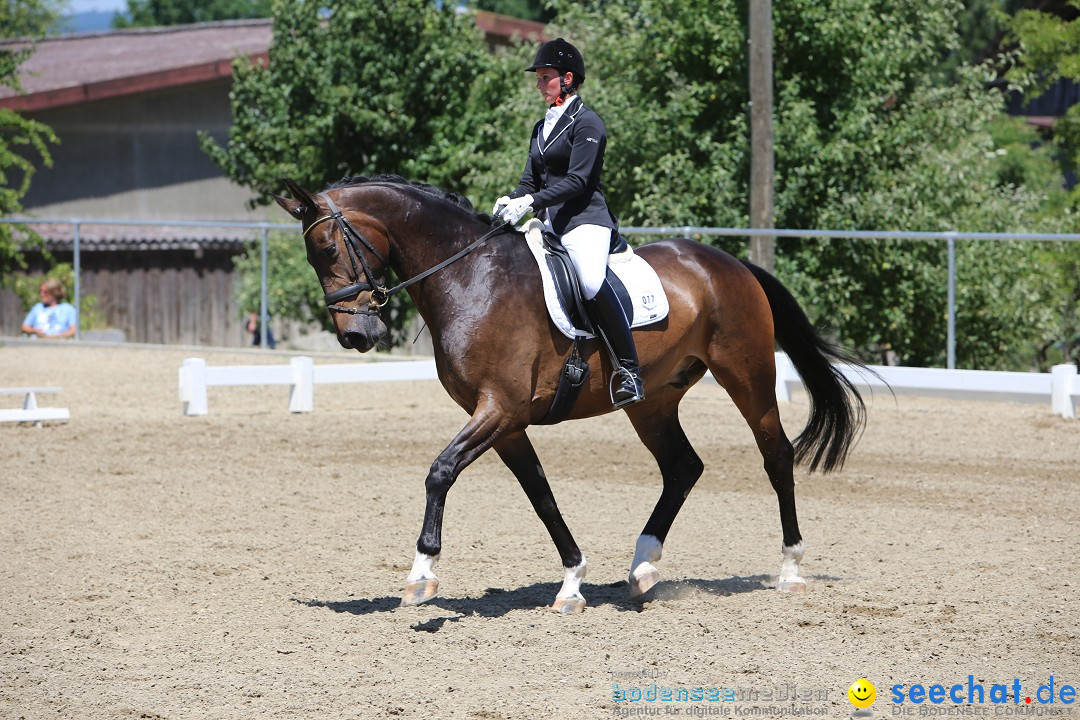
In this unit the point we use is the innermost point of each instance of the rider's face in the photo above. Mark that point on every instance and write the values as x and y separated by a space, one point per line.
547 82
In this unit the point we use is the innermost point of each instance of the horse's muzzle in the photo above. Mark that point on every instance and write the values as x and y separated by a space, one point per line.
362 332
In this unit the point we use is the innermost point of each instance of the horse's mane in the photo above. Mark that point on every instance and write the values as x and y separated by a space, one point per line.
453 198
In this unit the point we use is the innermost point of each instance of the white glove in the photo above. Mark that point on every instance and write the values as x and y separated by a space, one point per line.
499 205
516 209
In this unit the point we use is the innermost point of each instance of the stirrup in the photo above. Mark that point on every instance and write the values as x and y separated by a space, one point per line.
639 392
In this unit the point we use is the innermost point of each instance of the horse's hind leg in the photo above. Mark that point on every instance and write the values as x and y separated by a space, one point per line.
518 454
754 393
680 467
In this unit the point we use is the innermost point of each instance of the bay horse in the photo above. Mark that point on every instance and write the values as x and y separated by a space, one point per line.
500 357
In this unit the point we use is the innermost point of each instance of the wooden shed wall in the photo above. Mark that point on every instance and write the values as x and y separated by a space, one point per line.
171 297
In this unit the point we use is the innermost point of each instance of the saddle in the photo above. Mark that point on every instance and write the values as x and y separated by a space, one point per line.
644 301
568 287
635 282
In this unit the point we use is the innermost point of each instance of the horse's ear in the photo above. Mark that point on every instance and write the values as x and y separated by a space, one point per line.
294 208
300 193
303 202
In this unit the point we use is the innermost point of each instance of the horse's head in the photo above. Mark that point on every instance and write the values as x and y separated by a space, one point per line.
349 253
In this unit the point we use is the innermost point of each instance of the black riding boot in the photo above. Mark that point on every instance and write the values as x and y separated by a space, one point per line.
607 314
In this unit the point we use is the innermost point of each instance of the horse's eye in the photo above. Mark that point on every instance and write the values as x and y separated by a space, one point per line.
330 251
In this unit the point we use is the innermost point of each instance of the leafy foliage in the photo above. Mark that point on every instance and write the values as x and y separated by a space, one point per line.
353 88
290 291
150 13
1049 50
20 138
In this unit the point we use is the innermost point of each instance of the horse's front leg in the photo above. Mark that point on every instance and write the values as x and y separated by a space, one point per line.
517 452
478 435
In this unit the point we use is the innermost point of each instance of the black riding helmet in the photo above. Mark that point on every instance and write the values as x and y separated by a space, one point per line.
562 56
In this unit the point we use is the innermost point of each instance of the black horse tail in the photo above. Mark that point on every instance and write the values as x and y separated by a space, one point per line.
837 411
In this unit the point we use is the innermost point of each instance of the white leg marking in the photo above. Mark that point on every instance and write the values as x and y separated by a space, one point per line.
421 585
790 580
571 584
569 601
643 573
422 568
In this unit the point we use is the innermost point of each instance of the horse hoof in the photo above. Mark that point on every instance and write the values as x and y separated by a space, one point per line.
795 585
569 606
642 580
419 592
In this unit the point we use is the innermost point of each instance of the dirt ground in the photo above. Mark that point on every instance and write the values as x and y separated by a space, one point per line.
246 564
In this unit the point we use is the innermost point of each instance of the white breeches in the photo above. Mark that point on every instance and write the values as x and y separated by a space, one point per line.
588 246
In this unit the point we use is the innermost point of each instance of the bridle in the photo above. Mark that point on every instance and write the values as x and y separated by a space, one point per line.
380 294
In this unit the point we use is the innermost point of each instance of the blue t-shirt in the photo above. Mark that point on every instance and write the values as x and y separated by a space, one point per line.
52 319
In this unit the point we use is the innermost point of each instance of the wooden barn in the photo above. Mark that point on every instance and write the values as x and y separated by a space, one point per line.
151 284
127 107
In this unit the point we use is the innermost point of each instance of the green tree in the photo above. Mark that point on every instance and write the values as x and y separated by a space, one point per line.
21 139
865 140
1049 50
981 28
354 88
290 291
150 13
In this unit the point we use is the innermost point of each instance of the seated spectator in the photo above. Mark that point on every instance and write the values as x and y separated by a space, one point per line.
52 317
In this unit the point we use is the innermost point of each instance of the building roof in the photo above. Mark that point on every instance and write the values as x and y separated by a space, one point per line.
72 69
97 236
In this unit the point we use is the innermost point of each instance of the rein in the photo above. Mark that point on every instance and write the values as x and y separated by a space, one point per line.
380 294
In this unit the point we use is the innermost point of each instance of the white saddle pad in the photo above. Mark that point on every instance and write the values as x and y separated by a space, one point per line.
648 296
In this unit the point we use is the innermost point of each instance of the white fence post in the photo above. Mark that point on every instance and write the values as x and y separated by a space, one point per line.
785 371
302 391
193 386
1063 385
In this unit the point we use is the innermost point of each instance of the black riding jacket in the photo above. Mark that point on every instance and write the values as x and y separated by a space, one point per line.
563 172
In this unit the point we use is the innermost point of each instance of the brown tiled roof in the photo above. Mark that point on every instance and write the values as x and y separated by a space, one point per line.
73 69
77 68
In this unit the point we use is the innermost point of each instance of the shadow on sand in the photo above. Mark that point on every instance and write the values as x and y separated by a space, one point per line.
496 602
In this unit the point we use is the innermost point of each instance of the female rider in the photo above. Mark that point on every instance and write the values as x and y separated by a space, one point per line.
561 182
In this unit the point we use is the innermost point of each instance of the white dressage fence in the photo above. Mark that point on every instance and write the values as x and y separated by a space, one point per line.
301 375
30 412
1061 387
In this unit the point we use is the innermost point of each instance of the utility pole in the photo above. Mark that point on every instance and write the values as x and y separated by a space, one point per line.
761 132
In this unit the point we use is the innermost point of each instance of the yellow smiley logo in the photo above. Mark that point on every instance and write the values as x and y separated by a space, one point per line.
862 693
